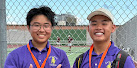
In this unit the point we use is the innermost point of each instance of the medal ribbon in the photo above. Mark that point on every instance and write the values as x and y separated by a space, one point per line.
35 60
102 58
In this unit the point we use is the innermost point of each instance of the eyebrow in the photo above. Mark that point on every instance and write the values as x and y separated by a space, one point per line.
39 23
46 23
93 21
36 23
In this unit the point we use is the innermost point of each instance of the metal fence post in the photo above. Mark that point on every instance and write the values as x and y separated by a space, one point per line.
3 30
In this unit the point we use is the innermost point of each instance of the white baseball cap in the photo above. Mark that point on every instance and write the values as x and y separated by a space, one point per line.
103 12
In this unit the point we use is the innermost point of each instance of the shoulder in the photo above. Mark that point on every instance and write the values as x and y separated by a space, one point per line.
57 50
83 58
125 59
14 56
84 55
129 63
19 51
113 50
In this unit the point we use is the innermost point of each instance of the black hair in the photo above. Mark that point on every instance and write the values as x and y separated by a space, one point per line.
44 10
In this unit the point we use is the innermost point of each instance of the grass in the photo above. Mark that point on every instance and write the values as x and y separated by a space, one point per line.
75 51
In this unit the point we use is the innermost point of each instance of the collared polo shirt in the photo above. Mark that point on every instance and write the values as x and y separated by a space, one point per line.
109 58
21 57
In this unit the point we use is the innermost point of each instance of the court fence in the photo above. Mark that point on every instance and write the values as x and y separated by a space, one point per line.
71 19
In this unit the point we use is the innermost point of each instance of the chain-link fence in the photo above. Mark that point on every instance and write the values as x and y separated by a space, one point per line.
71 20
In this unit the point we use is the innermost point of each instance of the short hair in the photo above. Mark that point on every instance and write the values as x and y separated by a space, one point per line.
43 10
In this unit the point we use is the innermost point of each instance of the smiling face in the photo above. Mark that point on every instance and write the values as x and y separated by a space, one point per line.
100 28
40 29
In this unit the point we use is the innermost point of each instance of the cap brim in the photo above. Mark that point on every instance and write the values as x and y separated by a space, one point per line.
96 13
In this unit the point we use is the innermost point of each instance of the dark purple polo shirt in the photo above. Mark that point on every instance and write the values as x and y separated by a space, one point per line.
109 58
21 57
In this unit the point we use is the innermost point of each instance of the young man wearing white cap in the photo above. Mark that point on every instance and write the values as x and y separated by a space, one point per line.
102 52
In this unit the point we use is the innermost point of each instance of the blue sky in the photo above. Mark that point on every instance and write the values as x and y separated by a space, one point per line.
123 10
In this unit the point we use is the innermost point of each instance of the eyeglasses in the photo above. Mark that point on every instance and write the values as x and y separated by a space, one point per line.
38 26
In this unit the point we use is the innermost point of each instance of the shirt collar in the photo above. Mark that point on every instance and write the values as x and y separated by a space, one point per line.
111 51
32 47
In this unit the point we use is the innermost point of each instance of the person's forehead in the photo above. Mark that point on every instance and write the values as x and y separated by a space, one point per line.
40 19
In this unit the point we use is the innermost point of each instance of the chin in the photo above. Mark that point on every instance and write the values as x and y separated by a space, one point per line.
42 40
98 40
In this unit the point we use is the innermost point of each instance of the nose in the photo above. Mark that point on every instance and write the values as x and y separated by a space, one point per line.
41 28
99 26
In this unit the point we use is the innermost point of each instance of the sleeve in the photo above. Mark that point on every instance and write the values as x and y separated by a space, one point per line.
65 62
10 62
129 63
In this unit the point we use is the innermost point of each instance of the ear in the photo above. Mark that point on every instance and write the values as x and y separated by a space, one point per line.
88 28
113 28
52 27
28 27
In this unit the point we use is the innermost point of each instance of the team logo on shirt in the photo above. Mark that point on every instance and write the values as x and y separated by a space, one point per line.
53 60
109 65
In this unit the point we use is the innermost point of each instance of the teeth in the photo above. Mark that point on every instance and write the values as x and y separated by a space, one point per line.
99 33
41 35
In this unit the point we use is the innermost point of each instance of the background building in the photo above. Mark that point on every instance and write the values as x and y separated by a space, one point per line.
65 19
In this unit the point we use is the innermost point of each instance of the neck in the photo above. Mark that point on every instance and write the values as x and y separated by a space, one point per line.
39 46
100 47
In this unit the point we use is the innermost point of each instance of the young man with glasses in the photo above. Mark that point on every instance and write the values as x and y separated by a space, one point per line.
38 53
